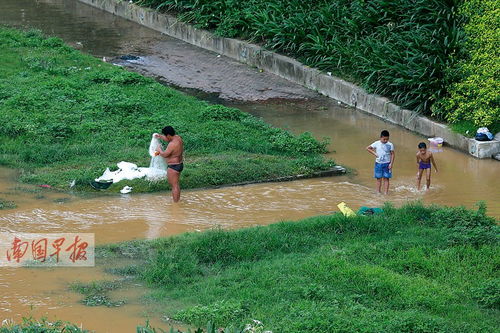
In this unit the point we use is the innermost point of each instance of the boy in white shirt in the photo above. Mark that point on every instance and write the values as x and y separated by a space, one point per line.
383 150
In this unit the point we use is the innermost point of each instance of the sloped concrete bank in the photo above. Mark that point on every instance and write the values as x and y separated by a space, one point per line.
294 71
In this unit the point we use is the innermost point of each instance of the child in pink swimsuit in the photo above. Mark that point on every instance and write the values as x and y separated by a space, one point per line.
424 160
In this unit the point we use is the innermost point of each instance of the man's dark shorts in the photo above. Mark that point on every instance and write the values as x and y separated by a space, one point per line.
177 167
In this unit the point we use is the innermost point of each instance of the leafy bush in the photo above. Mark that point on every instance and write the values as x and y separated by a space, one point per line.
474 96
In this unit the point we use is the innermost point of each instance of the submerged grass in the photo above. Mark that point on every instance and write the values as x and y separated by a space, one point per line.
96 292
412 269
6 204
32 325
67 116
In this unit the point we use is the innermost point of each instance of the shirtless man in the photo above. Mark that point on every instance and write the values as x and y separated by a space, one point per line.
174 156
424 160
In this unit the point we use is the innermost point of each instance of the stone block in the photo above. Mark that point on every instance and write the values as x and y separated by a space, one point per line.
484 149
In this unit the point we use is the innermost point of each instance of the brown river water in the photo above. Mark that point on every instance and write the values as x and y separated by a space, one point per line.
462 180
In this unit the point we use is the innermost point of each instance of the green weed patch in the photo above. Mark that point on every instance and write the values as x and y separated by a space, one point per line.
31 325
96 293
6 204
67 116
399 271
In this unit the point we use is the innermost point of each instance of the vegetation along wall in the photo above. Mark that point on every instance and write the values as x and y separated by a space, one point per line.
437 57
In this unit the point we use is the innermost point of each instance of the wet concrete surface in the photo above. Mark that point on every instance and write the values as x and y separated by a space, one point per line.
167 59
177 63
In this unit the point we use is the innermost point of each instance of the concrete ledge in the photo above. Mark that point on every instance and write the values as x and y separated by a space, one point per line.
290 69
484 149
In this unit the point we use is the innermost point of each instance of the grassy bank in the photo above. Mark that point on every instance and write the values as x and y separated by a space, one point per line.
473 95
67 116
415 52
412 269
31 325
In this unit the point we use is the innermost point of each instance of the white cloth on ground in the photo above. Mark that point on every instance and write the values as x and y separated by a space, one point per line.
129 171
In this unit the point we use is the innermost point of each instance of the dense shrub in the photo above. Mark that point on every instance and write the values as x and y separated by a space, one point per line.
475 96
397 48
439 55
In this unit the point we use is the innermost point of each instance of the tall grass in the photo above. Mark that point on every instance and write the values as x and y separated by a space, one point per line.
412 269
397 48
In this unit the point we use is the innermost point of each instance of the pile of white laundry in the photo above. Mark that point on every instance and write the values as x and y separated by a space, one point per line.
128 171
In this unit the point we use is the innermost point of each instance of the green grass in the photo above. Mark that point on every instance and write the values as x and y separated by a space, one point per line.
6 204
96 292
31 325
412 269
67 116
468 129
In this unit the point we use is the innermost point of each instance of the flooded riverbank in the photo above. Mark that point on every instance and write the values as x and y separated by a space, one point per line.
462 180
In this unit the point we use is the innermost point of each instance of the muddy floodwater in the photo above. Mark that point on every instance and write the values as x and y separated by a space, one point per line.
462 180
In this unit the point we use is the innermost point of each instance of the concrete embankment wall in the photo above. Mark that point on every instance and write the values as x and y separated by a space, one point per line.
294 71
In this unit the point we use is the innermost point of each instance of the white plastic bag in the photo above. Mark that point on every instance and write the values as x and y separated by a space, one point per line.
153 146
